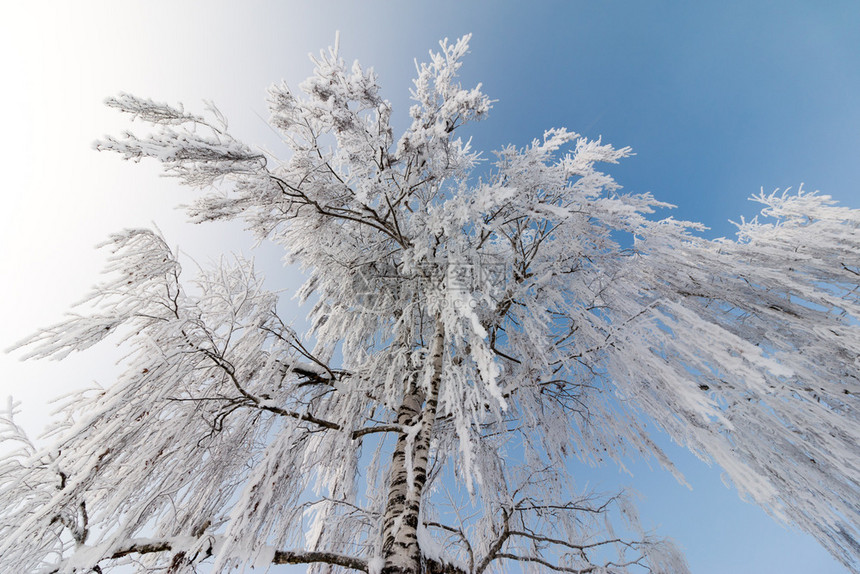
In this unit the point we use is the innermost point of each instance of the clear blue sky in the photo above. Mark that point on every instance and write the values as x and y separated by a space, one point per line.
716 100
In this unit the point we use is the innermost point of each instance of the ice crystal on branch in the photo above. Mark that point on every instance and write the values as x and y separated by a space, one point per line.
494 320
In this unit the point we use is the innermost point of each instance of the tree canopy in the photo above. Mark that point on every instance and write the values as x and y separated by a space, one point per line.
475 324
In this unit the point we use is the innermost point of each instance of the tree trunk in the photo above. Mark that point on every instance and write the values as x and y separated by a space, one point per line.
416 416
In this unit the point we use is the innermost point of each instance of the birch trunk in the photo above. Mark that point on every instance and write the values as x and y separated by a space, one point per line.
416 415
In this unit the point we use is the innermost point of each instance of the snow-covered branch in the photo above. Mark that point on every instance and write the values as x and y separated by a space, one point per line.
190 551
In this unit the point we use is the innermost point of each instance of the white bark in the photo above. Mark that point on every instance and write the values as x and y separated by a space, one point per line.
408 469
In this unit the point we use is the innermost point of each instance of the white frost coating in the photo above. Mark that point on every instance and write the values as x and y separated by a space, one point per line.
429 547
411 432
312 535
264 557
398 522
85 557
559 341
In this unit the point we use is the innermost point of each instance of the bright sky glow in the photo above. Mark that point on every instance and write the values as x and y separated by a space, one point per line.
716 101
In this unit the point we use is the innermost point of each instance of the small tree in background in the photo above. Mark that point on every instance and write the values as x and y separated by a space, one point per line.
473 328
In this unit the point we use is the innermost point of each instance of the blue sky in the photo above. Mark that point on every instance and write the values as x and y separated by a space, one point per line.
717 100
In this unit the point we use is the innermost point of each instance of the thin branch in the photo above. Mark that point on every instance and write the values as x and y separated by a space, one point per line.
382 428
540 538
254 401
307 417
495 549
542 562
460 535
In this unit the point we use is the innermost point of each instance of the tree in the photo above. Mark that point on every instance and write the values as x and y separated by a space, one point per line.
472 329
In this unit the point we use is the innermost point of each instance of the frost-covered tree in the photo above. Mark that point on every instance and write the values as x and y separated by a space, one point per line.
474 326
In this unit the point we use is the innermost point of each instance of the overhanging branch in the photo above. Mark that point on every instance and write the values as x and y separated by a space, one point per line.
181 545
301 557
